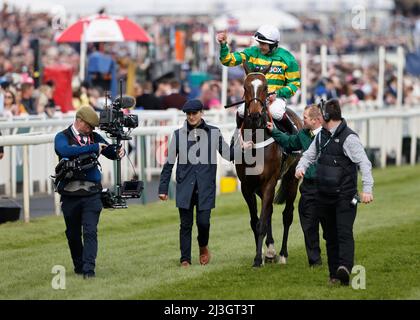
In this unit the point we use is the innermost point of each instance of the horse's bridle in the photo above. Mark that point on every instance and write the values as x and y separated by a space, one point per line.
262 103
265 113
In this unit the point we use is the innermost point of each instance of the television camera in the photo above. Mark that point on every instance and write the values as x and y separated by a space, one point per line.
113 121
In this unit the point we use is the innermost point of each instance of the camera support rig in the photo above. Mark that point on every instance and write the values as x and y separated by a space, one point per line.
113 121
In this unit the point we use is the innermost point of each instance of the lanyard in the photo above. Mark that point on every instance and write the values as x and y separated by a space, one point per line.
325 144
81 142
328 141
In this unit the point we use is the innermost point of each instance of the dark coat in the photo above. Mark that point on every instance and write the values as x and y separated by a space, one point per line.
1 148
200 168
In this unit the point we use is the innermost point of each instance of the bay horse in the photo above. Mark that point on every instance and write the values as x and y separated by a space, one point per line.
276 165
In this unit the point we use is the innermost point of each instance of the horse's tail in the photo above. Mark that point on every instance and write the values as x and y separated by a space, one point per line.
280 196
287 185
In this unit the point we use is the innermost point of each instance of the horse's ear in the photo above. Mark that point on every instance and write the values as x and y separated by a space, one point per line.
266 69
247 68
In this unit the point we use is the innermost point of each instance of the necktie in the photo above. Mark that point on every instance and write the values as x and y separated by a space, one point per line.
83 139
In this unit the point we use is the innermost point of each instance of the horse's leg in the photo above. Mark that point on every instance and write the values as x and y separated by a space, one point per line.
265 217
270 255
269 241
251 201
291 191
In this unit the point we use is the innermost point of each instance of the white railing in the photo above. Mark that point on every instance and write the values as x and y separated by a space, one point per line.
34 151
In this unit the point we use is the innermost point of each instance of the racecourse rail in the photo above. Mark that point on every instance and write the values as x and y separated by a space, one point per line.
30 158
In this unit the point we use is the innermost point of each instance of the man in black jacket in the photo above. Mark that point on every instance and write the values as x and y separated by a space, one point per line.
195 146
338 152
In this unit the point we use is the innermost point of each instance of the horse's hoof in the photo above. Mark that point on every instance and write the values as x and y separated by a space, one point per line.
258 263
271 252
282 260
270 259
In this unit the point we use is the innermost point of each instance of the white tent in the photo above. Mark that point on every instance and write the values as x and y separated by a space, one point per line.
250 19
208 7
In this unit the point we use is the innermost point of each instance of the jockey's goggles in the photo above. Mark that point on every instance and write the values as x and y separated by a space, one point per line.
260 38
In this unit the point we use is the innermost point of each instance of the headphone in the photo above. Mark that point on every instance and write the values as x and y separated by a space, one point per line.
325 115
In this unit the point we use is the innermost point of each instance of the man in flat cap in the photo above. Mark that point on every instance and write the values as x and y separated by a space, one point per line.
81 194
195 145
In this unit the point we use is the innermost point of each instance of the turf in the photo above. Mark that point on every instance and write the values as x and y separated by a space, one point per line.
138 254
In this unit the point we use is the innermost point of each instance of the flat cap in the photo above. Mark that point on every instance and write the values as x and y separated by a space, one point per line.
88 115
192 105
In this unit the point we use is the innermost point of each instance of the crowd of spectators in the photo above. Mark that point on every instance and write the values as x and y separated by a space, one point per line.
358 85
23 91
340 37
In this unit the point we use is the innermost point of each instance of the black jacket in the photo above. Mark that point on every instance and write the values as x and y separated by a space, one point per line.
197 169
336 173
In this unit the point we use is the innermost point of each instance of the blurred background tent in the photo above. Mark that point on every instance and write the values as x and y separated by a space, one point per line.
194 7
250 19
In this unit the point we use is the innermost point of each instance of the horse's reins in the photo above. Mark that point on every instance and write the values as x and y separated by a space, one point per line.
264 143
243 101
265 110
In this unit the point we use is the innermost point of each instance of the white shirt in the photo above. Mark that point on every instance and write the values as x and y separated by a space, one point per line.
316 131
78 135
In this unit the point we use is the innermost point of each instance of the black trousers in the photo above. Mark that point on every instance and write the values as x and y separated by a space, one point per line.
338 215
203 226
309 220
81 215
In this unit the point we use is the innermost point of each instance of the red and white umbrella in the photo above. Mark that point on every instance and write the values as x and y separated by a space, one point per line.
104 28
101 28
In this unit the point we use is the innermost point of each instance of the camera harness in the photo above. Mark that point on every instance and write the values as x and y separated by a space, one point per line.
77 174
72 135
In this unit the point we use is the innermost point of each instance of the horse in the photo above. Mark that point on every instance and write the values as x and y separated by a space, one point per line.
276 166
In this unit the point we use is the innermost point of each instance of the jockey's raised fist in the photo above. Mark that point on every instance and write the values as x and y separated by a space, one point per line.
221 37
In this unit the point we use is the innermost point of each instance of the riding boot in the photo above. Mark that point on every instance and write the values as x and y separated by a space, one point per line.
285 124
239 122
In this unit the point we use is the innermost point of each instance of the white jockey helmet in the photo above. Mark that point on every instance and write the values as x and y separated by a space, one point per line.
267 34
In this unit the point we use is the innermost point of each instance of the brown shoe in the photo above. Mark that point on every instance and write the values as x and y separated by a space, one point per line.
334 281
185 264
204 255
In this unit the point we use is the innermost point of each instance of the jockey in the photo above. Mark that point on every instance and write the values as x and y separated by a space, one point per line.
283 78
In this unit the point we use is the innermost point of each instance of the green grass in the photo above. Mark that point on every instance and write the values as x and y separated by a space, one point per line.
138 254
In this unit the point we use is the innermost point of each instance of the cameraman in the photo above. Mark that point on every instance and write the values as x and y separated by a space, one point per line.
81 194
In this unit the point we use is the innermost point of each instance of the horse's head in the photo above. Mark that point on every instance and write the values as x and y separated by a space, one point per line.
255 87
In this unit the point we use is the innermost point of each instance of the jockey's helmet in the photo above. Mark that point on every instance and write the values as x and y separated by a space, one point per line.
267 34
